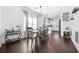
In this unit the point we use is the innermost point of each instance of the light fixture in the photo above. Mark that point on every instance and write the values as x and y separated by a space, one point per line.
40 6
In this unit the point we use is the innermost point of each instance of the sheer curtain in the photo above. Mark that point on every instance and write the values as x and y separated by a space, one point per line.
25 19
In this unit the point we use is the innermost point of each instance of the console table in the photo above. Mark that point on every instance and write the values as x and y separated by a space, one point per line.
12 32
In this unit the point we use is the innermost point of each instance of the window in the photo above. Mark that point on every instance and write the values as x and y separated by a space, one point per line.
29 21
32 21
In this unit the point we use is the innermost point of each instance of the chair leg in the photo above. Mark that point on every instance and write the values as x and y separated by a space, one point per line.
31 45
27 44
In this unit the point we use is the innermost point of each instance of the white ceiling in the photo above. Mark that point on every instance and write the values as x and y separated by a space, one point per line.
51 11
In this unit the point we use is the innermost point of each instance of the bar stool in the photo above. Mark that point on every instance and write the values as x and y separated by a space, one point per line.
34 40
38 40
35 44
29 37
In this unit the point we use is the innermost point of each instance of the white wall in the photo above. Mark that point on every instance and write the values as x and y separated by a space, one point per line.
75 27
10 17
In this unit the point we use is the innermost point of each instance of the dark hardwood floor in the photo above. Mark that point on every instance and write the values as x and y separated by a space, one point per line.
53 45
58 45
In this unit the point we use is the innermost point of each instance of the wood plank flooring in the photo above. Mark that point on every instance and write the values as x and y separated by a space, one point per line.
53 45
58 45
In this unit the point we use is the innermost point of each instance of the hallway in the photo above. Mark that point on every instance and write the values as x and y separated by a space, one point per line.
53 45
